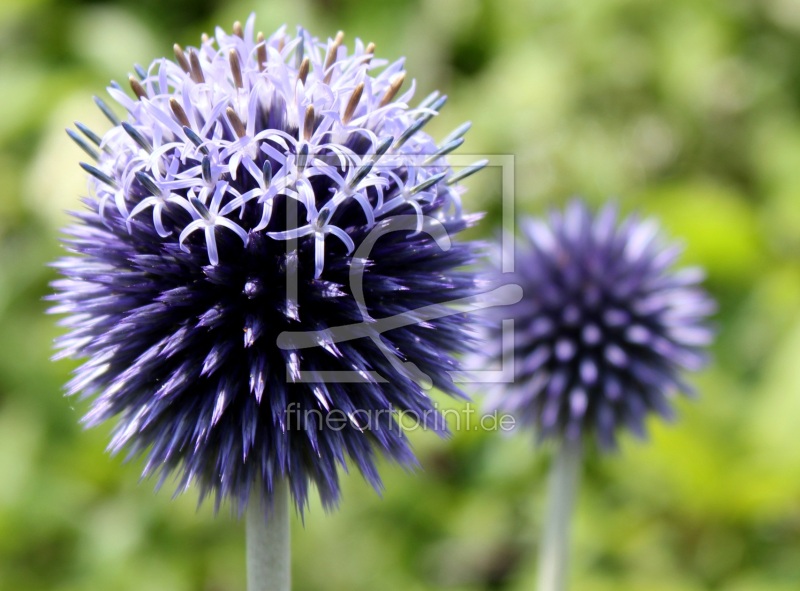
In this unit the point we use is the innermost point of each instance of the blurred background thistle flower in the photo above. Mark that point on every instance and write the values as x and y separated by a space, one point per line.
250 193
605 328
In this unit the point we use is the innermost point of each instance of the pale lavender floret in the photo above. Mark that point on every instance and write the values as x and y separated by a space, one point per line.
606 326
211 217
177 288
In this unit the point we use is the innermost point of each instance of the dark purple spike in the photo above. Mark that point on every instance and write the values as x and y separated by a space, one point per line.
82 144
106 110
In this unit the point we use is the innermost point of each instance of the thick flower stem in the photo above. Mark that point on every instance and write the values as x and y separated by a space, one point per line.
268 551
554 547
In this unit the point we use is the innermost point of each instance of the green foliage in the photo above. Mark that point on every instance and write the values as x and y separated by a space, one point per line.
684 109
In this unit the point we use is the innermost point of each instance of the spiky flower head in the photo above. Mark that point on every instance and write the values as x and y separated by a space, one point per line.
605 328
259 220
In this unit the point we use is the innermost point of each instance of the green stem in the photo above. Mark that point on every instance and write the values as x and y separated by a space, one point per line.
563 485
268 551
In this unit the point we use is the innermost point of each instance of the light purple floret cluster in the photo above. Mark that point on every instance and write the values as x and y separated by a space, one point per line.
226 209
240 120
605 328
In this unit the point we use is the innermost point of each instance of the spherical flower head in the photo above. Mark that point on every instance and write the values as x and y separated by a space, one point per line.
263 226
605 328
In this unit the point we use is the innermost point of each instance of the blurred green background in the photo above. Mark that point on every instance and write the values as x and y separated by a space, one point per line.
686 109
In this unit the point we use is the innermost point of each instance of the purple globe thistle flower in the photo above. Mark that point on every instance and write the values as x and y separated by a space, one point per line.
605 328
235 205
